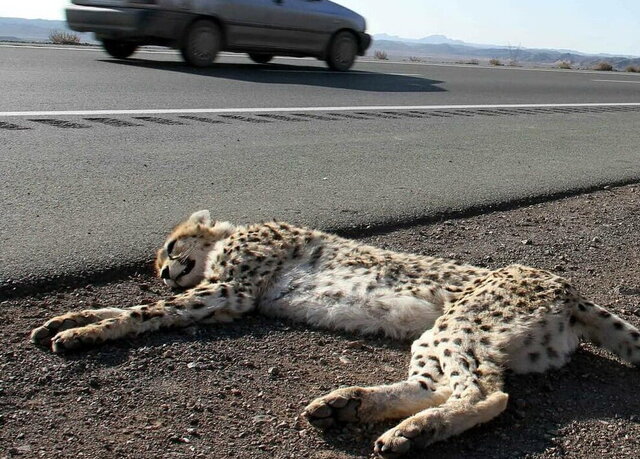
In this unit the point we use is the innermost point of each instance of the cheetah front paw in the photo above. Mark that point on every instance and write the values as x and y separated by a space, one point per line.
44 334
74 339
340 406
405 437
47 334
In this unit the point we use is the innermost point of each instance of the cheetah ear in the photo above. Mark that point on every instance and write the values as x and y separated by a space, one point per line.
202 217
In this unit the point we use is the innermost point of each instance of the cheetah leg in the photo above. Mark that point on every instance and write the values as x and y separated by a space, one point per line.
476 398
435 424
208 303
42 335
396 401
373 404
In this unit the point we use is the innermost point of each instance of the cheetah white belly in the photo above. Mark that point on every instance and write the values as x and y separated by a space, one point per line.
349 299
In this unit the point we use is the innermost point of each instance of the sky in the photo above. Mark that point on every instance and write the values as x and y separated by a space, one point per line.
595 26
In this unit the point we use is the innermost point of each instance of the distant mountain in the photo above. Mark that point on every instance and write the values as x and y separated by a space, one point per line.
18 29
431 39
439 47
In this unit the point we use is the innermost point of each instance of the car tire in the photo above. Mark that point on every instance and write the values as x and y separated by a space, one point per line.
119 49
260 58
342 51
201 44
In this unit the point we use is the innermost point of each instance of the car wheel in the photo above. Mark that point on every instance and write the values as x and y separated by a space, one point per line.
202 44
119 49
342 51
260 58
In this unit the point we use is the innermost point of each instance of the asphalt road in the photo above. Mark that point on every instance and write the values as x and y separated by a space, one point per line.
94 191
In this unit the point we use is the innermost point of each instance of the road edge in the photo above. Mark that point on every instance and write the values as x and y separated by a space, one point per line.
17 288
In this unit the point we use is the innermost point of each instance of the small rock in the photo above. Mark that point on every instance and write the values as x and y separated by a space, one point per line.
24 449
178 439
355 344
527 242
345 360
262 419
627 290
274 372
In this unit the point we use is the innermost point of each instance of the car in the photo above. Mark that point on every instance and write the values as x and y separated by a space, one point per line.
200 29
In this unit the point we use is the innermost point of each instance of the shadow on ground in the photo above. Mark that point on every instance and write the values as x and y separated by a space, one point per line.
541 406
299 75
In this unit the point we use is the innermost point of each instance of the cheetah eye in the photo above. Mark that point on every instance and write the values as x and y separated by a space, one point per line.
170 247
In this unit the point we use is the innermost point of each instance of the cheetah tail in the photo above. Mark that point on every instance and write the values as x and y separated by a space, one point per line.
601 327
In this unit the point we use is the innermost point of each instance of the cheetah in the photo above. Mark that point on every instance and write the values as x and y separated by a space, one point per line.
471 323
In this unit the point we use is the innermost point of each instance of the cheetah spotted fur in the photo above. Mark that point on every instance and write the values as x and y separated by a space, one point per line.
471 323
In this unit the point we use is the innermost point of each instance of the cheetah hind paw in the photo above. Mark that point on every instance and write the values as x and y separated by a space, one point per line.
399 441
340 406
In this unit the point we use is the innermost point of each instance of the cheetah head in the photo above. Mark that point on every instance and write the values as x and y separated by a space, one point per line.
182 261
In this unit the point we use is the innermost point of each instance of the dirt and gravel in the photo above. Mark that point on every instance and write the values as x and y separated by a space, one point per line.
237 390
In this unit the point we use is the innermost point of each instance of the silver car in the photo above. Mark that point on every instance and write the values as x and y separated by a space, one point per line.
202 28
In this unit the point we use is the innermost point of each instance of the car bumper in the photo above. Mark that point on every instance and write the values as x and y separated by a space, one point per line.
126 23
364 40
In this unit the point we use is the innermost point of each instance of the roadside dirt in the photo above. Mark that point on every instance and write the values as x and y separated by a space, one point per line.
237 390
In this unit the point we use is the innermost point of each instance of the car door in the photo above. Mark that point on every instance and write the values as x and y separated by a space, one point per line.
248 23
302 25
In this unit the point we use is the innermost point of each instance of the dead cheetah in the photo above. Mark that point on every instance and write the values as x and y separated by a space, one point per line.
471 323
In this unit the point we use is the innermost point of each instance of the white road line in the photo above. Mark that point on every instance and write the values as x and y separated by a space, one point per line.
617 81
169 111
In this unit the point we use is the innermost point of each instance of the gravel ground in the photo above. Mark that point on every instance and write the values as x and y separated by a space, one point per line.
237 390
